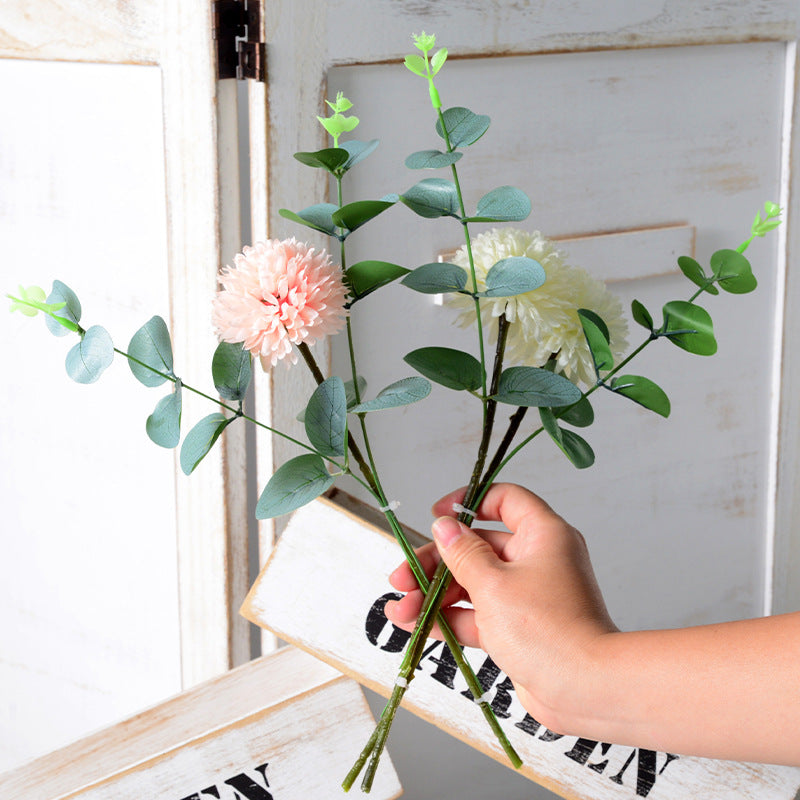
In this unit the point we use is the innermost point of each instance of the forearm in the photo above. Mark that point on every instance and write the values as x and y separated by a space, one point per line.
725 691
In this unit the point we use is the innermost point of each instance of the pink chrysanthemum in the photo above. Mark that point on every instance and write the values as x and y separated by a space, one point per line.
278 294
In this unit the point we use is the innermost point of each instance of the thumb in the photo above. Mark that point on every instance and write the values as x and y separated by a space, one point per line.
466 554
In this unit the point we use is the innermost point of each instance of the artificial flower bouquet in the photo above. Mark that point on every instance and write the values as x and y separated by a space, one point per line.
547 337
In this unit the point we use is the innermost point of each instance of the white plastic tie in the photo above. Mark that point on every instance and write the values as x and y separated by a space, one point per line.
484 698
401 682
393 505
459 509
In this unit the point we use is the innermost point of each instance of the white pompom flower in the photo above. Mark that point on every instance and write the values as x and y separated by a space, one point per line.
545 321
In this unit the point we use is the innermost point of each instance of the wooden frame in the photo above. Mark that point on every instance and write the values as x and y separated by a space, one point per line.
298 84
203 231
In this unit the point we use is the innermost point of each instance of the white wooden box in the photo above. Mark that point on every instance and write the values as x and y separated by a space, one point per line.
283 727
295 597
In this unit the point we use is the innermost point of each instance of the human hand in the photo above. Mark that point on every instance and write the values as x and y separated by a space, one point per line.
536 607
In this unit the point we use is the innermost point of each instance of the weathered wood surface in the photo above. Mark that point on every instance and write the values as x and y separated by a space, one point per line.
284 726
82 30
324 589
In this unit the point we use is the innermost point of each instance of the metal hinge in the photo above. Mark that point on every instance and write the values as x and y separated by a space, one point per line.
237 29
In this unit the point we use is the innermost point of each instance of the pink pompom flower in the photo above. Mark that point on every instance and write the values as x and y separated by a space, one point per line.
279 293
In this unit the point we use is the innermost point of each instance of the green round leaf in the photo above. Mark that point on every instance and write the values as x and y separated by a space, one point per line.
504 204
431 159
416 64
733 272
597 337
581 415
354 215
71 311
438 277
431 198
201 439
90 358
689 327
513 276
642 315
694 272
357 151
297 482
330 159
533 386
326 418
642 391
231 370
164 424
317 217
367 276
450 368
350 392
151 346
437 62
574 447
401 393
463 127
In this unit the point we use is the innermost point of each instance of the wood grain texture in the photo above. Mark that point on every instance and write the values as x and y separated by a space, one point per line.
287 711
126 32
211 518
783 552
352 635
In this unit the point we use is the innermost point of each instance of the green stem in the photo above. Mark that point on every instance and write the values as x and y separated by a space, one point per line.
216 401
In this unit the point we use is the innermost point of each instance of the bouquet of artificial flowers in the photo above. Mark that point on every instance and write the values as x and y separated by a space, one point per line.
547 336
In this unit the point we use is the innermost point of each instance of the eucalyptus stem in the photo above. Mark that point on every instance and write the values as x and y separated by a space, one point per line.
237 411
434 595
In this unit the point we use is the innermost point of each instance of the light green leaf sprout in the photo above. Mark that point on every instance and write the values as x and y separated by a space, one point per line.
761 227
338 123
420 65
33 300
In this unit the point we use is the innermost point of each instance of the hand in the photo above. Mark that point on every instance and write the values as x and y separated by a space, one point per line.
536 607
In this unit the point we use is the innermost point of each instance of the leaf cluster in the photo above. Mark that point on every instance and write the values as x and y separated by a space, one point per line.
325 418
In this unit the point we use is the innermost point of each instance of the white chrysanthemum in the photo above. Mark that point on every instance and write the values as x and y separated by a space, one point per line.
545 321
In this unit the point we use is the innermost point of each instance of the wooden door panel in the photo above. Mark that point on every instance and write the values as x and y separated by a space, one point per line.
602 142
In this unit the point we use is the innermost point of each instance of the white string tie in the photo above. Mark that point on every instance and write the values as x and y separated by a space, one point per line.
401 682
391 506
459 509
484 698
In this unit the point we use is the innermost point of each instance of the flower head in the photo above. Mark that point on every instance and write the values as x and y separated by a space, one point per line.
278 294
545 321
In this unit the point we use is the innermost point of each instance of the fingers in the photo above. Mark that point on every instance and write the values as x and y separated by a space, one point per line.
403 613
468 556
504 502
403 578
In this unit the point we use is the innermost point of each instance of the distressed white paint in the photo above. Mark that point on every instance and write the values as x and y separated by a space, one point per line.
611 152
321 540
89 512
82 30
110 183
288 711
306 39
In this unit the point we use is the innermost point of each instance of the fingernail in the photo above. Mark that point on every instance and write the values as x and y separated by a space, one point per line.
446 530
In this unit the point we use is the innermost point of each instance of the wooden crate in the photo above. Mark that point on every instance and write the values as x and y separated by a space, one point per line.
293 597
283 726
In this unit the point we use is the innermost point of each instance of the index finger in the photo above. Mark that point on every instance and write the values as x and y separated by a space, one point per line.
504 502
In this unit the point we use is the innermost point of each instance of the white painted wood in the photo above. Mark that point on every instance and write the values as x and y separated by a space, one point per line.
638 544
287 722
628 255
614 156
82 30
783 588
110 182
352 634
89 509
